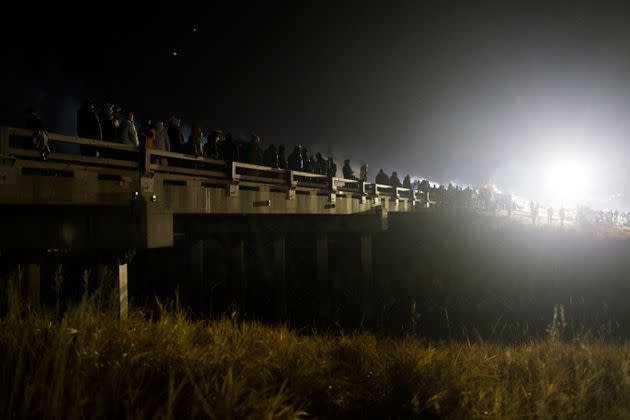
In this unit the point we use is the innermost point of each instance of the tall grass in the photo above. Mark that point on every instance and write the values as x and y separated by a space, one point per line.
86 363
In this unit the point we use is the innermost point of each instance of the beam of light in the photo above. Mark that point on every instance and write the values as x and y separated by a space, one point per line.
567 180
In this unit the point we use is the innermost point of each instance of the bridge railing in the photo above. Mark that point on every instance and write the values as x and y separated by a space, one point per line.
17 142
163 161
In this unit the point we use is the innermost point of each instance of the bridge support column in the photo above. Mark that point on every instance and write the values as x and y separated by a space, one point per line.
323 280
32 277
279 271
115 283
238 276
367 281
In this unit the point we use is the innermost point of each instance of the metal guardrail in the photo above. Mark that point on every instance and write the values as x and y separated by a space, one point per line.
15 144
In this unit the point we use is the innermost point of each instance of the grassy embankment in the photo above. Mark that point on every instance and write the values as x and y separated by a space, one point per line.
87 363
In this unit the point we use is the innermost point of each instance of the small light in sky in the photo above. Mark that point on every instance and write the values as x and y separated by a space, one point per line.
174 53
195 29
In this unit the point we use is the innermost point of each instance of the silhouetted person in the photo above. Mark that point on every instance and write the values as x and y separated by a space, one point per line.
533 209
254 152
110 122
381 178
282 158
161 141
147 135
295 159
195 141
363 173
323 164
176 136
332 167
561 215
229 149
270 157
128 133
212 146
315 167
347 171
89 127
407 182
394 181
306 161
39 139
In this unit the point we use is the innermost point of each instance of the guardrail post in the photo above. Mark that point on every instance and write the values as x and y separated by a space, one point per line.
363 191
232 187
292 184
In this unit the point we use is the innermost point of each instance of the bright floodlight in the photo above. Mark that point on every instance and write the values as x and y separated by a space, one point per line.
567 180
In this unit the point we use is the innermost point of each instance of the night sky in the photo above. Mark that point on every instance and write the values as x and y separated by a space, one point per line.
463 93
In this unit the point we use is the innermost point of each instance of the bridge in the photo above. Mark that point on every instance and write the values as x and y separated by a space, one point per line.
129 198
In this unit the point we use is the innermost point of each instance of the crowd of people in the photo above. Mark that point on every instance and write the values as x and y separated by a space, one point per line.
111 124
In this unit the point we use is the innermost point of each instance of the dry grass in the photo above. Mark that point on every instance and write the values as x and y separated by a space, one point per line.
88 364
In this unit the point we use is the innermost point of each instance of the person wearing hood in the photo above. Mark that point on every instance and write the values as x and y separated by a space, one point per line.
295 159
394 181
306 161
348 173
176 135
382 178
407 182
213 146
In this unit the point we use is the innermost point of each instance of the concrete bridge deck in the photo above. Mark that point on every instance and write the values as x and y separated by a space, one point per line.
131 199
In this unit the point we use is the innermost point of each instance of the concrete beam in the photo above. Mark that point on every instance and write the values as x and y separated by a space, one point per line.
200 226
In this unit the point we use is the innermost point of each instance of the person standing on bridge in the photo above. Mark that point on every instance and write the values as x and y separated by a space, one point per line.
394 181
407 182
128 133
306 161
175 135
195 141
270 157
323 164
348 173
282 157
295 159
253 150
161 141
229 149
363 173
332 167
212 146
381 178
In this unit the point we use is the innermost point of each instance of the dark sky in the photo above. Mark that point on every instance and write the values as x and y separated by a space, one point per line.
470 92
